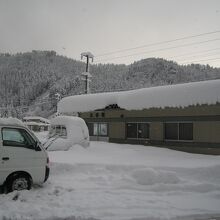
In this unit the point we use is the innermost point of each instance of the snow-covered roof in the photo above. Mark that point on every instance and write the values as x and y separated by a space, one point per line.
179 95
11 121
29 118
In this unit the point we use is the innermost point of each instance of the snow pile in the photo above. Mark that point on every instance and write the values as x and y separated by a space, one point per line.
11 121
151 176
180 95
76 133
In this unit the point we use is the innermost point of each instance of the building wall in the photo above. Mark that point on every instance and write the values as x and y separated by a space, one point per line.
205 119
206 131
117 130
156 131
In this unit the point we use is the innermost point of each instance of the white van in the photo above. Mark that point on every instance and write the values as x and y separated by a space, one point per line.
23 161
66 131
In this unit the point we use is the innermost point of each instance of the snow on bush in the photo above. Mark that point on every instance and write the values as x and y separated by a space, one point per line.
180 95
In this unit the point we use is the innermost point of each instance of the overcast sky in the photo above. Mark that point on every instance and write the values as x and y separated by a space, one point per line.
73 26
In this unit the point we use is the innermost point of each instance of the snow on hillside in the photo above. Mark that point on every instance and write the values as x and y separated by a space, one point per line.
118 182
181 95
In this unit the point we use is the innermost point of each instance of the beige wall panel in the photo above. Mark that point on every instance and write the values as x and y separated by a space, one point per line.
117 130
208 131
156 131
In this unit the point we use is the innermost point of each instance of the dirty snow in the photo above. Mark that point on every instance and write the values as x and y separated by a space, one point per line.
117 182
180 95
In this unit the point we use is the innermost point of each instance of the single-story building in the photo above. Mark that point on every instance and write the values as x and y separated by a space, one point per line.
184 114
36 123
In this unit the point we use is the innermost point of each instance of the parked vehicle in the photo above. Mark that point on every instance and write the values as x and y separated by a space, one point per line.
65 131
23 161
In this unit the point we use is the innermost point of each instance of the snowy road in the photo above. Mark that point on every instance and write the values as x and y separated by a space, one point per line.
117 182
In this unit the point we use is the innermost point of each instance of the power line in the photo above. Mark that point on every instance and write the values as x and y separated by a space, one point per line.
204 55
158 43
218 58
162 49
198 52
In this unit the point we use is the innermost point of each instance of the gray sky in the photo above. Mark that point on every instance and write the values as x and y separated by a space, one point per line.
73 26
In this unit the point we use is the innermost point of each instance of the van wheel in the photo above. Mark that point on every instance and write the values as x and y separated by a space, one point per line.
19 182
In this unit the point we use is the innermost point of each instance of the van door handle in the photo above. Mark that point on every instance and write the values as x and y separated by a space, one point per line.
5 158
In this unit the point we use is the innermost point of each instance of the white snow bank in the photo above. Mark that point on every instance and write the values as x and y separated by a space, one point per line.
180 95
11 121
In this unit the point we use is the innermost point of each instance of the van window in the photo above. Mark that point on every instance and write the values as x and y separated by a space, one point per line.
16 137
58 130
52 131
63 131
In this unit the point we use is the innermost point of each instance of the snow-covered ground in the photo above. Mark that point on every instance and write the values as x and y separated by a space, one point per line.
116 182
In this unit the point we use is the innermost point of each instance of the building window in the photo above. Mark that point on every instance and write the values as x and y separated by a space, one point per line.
91 115
178 131
171 131
98 129
103 128
132 130
138 130
186 131
103 114
96 115
143 130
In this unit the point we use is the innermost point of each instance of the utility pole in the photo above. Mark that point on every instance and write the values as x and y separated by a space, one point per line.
87 76
57 98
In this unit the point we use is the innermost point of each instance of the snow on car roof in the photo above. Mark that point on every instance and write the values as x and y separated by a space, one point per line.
36 118
11 121
179 95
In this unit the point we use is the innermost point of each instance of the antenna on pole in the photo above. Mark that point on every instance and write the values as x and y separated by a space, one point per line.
86 74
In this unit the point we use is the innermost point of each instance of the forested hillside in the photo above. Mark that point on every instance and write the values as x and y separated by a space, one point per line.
29 81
